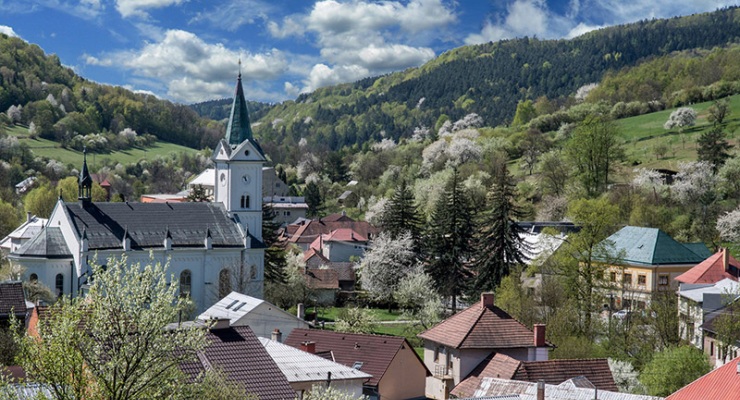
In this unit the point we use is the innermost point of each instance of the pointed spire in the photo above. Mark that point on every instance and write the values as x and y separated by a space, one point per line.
84 181
239 128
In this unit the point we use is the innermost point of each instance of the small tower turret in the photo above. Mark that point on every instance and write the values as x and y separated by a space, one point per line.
84 182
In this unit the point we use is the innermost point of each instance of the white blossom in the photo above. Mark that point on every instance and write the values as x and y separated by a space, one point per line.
471 120
695 182
584 90
375 210
461 151
728 226
14 113
385 144
421 133
681 118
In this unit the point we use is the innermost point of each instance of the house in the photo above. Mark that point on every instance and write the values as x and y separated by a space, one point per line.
261 316
304 232
25 185
720 265
345 270
456 346
211 248
324 282
722 383
238 353
572 389
341 245
287 208
304 370
204 180
397 372
13 302
696 302
717 351
646 261
22 234
553 372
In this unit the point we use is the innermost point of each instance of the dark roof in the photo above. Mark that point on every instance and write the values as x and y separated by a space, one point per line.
711 318
12 298
322 278
652 246
480 327
539 226
553 372
375 352
147 224
48 243
243 359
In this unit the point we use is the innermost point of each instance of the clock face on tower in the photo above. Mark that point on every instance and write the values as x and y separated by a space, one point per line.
246 179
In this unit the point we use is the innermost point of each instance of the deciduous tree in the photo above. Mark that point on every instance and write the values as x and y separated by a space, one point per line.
594 150
674 368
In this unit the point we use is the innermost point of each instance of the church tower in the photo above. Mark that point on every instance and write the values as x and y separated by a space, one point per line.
238 160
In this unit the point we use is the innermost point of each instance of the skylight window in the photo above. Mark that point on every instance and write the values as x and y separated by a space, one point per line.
232 304
239 306
357 365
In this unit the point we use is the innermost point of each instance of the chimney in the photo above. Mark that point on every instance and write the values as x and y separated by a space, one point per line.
726 259
539 335
277 336
309 347
541 390
737 367
220 323
301 311
486 300
28 216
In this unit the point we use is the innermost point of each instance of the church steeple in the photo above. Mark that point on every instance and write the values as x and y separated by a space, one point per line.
239 128
84 181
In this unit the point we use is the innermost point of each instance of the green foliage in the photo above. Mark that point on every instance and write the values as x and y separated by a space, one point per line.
10 218
40 201
524 113
713 147
674 368
314 199
355 320
594 150
401 214
319 392
275 263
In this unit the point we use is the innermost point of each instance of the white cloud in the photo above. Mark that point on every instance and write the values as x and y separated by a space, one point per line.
232 14
524 18
136 8
580 29
323 75
393 56
8 31
191 69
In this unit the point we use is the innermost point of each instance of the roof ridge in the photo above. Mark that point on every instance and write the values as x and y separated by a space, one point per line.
480 314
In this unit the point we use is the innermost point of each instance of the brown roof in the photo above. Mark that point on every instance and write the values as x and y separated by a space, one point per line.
322 278
12 298
711 270
240 355
375 352
337 217
480 327
553 372
307 232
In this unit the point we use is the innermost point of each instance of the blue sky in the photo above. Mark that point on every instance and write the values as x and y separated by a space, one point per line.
187 50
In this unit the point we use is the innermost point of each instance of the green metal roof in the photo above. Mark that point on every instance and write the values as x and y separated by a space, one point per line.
651 246
240 127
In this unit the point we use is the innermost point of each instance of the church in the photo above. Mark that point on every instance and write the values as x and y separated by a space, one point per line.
211 248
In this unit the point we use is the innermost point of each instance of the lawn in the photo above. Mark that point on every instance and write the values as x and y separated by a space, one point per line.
50 149
329 314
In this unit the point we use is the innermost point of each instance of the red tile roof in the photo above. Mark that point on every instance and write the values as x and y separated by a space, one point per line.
322 278
721 384
480 327
307 232
314 257
553 372
241 356
711 270
375 352
344 235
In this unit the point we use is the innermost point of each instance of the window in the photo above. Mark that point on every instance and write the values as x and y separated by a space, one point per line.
663 280
641 280
627 279
185 283
253 272
613 276
711 348
245 201
33 278
224 283
59 284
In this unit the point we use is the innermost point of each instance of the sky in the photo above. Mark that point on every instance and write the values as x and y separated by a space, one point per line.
189 50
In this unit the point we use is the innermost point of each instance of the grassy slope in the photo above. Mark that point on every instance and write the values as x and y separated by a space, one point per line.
644 132
48 148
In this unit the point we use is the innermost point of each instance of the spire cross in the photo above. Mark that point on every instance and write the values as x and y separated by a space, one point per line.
240 67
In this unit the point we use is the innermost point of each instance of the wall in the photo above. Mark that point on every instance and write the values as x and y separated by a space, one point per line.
266 317
404 378
342 251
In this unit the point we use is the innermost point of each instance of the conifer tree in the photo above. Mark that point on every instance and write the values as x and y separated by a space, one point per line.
448 242
312 193
274 252
401 214
713 147
499 243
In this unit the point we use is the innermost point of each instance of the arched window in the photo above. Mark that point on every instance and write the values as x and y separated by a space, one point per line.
185 283
245 201
33 278
59 284
253 272
224 283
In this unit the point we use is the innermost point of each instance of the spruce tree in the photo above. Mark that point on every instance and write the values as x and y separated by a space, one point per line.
499 242
448 242
274 252
713 147
401 214
312 194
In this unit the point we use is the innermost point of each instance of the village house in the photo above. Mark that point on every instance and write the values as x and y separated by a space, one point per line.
305 232
304 370
208 247
260 315
397 372
456 346
722 383
287 208
572 389
22 234
646 261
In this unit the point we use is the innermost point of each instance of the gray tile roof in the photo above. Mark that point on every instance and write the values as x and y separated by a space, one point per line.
147 224
48 243
12 298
